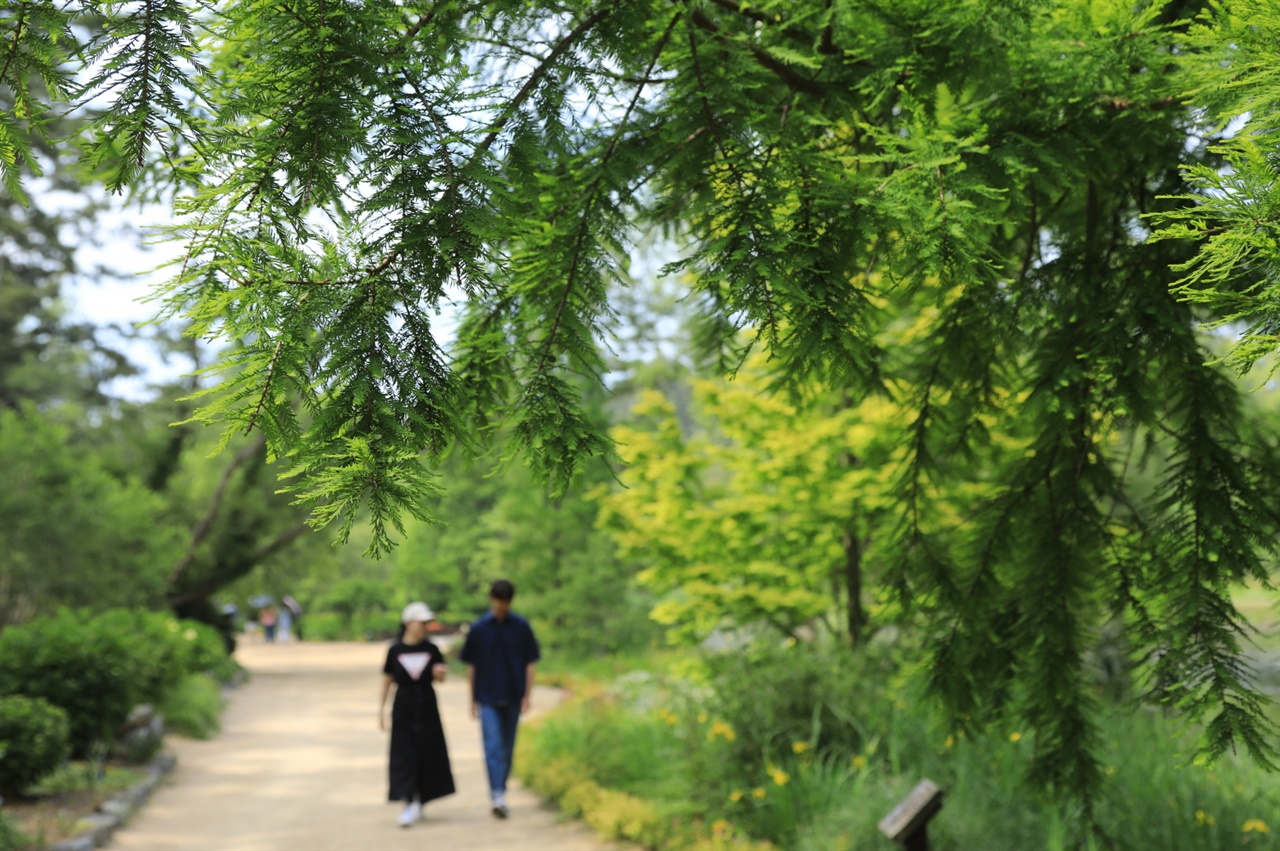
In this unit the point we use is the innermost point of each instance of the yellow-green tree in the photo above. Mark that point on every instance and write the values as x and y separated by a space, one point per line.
775 511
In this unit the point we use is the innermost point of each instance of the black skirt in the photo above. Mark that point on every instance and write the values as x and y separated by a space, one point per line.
419 765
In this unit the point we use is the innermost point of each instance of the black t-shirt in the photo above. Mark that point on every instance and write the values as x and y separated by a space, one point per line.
410 664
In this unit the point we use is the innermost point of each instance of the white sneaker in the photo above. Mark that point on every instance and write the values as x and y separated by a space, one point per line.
500 805
411 813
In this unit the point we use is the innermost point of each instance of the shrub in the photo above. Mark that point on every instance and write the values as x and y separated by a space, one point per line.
146 645
34 740
327 626
62 660
193 707
204 651
822 694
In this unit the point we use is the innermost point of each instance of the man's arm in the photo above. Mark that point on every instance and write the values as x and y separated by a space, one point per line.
528 688
471 687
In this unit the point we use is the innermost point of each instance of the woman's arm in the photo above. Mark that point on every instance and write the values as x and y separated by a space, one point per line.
382 701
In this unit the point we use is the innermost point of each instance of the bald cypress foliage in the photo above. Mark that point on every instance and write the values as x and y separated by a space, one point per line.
346 170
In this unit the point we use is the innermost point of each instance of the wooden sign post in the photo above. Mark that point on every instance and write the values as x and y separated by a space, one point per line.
908 822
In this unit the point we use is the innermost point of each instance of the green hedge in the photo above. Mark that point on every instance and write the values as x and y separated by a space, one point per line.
65 661
34 740
98 667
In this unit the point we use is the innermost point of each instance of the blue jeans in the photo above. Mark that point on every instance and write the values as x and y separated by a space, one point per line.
498 729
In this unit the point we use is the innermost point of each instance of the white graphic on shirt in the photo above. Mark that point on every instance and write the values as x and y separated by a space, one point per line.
415 663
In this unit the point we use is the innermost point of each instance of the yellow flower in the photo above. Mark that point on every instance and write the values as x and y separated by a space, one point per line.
1111 771
779 776
859 761
720 826
949 743
757 793
1199 816
799 747
1013 737
735 795
719 728
702 717
1256 825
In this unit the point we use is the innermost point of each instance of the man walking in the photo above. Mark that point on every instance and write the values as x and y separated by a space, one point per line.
500 652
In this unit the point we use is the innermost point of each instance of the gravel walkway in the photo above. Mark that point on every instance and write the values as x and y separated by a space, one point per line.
301 765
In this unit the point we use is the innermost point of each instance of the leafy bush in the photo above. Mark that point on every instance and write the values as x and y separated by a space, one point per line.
34 740
98 668
357 595
327 626
193 707
63 660
146 644
822 694
330 626
204 651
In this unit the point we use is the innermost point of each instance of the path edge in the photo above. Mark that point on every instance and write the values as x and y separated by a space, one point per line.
97 828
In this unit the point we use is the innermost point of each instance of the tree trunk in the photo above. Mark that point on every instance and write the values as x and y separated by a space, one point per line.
855 614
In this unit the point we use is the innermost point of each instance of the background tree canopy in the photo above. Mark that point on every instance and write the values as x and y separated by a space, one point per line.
987 174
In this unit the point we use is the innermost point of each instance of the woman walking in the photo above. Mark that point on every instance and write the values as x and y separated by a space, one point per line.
419 764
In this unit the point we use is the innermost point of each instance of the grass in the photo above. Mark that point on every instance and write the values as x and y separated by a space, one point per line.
661 742
193 707
51 810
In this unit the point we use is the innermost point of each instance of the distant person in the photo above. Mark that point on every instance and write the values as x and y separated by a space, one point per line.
295 611
500 652
268 618
418 769
284 625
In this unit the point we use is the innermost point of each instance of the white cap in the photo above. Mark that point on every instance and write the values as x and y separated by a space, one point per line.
417 613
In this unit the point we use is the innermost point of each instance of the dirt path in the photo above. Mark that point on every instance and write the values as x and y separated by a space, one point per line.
300 764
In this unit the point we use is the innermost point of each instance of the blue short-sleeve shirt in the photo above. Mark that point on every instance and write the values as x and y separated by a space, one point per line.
500 650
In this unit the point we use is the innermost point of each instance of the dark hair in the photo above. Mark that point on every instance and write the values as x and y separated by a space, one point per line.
502 590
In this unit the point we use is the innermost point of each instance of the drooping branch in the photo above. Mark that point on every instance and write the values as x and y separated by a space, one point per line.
531 84
594 192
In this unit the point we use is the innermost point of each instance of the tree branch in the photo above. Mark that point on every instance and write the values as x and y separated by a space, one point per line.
526 91
202 528
763 58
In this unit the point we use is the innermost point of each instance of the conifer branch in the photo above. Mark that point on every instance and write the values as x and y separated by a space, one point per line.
13 45
541 71
763 57
746 193
603 164
741 9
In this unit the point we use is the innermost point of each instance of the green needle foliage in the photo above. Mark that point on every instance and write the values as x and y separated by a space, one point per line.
347 170
1233 212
